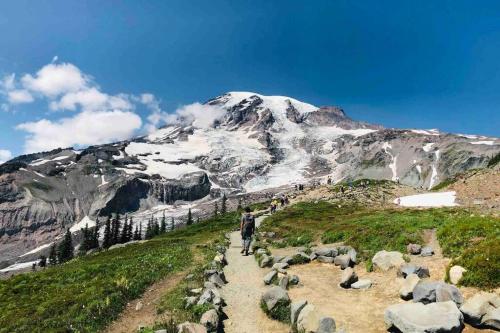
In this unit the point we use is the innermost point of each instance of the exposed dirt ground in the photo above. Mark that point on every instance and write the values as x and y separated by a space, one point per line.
242 293
130 319
361 310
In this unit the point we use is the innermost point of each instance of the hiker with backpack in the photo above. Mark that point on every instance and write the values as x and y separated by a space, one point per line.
247 227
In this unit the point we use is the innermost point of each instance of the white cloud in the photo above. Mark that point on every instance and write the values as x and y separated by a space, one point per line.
85 128
91 100
19 96
54 79
5 155
199 115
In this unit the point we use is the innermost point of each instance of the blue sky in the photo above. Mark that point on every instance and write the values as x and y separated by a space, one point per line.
425 64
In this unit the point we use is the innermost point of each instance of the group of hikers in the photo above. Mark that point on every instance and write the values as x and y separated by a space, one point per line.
282 201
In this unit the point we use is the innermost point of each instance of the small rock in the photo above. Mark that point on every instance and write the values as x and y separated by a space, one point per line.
189 277
295 310
261 251
190 301
326 252
343 260
313 256
265 261
353 254
407 269
287 260
362 284
325 260
210 320
456 273
482 306
443 317
308 319
220 259
196 291
274 295
268 278
406 291
280 265
427 251
206 297
277 259
348 277
294 280
283 282
326 325
414 248
215 279
385 260
436 291
188 327
139 306
161 331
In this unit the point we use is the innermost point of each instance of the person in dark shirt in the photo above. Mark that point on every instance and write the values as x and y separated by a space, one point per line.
247 227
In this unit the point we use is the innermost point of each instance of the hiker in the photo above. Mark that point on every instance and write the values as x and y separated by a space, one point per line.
287 201
282 200
247 228
329 180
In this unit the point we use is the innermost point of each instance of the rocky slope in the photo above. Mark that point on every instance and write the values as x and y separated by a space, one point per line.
258 143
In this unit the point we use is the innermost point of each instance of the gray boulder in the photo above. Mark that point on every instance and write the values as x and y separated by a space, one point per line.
414 248
283 282
210 320
436 291
206 297
407 269
294 280
385 260
287 260
326 325
280 265
190 301
269 277
325 260
343 260
427 251
295 310
482 310
216 279
308 319
406 290
273 296
265 261
443 317
348 277
261 252
353 254
277 259
188 327
326 252
313 256
362 284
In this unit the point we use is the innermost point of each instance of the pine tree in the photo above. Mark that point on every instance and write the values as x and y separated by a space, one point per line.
190 217
216 209
136 233
223 206
85 246
163 226
198 219
116 229
53 255
65 249
130 232
95 236
149 230
107 234
172 225
124 233
156 228
140 231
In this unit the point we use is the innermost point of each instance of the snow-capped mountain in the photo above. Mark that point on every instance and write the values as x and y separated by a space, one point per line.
243 143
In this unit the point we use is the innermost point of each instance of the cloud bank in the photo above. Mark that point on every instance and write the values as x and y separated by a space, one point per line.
5 155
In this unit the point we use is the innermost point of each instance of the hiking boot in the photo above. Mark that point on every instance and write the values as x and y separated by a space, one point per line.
242 250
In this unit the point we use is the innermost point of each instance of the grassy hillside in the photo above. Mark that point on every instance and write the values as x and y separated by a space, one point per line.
87 293
473 240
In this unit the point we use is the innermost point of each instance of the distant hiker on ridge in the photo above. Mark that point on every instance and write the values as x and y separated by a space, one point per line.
247 228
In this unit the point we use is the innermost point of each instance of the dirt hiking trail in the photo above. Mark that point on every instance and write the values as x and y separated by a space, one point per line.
242 293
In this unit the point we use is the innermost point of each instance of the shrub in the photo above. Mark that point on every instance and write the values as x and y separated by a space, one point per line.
280 312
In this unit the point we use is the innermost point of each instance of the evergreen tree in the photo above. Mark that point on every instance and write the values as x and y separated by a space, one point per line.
172 224
136 234
124 233
223 206
163 226
116 229
53 255
95 236
216 208
85 246
107 234
140 231
190 217
130 232
65 249
149 230
43 261
156 228
198 219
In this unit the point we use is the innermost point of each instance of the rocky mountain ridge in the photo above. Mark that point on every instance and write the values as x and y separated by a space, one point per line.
258 143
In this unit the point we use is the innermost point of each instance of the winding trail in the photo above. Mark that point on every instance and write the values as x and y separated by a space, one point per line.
242 293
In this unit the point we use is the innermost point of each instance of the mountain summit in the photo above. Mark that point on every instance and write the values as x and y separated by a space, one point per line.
239 142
